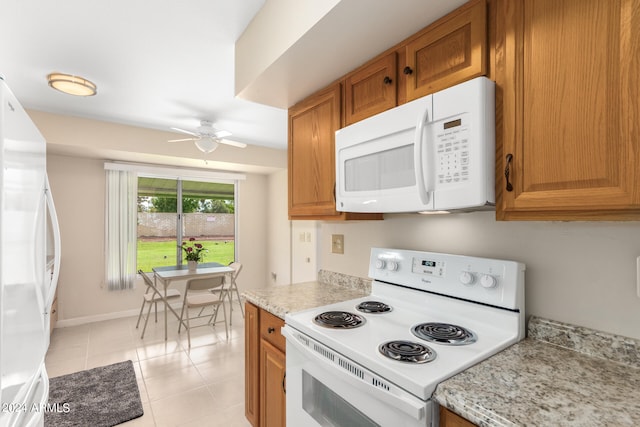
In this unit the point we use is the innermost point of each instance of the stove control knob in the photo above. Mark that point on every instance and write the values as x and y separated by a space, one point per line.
467 278
488 281
392 266
380 264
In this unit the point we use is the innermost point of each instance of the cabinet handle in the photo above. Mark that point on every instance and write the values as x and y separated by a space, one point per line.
407 70
271 330
284 384
387 80
507 171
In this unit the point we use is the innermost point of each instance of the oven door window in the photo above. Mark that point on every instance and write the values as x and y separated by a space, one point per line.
329 409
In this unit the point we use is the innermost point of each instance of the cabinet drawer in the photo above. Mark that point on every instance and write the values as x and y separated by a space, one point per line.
270 329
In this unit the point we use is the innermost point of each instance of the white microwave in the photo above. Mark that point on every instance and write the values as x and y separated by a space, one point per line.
432 154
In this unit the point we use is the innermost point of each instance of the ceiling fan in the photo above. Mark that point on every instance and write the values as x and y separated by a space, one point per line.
207 138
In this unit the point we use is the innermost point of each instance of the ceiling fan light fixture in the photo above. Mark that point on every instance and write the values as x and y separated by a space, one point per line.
72 85
206 145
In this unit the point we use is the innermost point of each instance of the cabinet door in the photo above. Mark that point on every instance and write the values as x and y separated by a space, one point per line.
370 90
450 51
451 419
251 364
272 383
570 78
312 127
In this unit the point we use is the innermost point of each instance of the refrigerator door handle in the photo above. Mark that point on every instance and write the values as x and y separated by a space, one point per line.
51 209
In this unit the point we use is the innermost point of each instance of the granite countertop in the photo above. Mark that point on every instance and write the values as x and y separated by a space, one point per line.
561 375
330 288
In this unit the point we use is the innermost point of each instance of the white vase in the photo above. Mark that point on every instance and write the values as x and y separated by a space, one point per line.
192 265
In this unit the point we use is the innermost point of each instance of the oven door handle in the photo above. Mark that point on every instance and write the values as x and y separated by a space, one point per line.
414 409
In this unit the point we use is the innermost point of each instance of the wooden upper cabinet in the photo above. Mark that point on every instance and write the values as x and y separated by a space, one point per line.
312 127
570 81
312 171
370 89
450 51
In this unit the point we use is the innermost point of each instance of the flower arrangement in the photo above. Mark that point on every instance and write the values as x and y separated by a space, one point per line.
193 251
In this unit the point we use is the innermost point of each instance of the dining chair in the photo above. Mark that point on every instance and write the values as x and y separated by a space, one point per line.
152 296
197 294
233 287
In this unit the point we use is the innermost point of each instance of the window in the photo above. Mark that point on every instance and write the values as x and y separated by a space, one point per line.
171 211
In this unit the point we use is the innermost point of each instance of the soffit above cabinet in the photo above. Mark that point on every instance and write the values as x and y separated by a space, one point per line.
292 48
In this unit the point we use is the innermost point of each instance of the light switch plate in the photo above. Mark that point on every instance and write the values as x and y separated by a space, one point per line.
337 243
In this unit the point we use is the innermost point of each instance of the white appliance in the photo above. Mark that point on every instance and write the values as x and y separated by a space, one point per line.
29 265
376 361
431 154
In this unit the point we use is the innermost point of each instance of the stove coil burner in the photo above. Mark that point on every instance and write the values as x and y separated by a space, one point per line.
373 307
407 351
444 333
339 319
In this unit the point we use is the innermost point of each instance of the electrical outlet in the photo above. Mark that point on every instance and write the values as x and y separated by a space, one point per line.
337 243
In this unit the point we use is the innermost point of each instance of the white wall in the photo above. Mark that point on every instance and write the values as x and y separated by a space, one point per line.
78 188
279 231
582 273
304 251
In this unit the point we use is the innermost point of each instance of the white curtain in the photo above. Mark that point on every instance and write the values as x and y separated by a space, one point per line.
121 225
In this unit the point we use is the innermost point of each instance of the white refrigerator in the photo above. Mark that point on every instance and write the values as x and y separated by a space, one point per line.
29 265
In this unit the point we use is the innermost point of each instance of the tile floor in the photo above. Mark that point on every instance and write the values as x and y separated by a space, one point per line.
201 386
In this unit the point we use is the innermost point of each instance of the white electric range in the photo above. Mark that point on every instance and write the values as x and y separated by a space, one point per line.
376 361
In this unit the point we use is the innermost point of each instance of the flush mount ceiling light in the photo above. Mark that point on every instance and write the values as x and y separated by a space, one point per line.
207 145
72 85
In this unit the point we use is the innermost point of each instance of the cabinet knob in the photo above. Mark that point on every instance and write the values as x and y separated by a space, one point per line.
407 70
507 171
271 330
387 80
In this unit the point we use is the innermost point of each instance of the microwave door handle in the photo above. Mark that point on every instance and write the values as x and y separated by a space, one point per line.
423 181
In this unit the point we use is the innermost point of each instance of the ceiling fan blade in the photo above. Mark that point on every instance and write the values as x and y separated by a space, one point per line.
222 133
185 131
232 143
185 139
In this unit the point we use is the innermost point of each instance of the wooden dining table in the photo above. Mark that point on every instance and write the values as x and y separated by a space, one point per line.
166 275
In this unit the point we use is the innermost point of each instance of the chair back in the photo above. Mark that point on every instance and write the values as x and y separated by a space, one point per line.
147 280
236 267
204 284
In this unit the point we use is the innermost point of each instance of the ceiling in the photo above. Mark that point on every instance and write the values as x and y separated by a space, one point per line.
173 66
170 66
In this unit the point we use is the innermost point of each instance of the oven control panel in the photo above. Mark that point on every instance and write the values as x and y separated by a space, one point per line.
490 281
431 267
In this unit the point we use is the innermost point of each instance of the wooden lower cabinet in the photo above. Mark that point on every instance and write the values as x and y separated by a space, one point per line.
252 364
450 419
272 386
265 365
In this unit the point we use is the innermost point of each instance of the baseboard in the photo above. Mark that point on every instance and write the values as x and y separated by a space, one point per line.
76 321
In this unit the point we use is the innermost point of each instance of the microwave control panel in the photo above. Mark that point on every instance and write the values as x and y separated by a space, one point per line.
452 148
